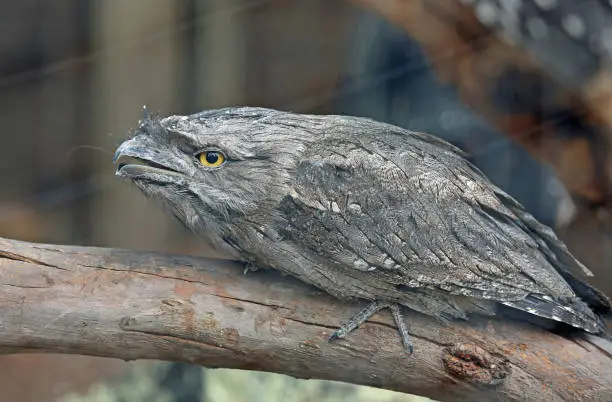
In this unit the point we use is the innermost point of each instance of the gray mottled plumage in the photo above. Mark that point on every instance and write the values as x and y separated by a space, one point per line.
360 209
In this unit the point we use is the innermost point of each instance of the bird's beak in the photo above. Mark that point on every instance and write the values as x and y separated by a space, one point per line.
123 149
136 158
130 158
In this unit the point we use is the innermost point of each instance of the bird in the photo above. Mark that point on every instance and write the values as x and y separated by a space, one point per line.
361 209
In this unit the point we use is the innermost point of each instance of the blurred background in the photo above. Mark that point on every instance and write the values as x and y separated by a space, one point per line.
524 91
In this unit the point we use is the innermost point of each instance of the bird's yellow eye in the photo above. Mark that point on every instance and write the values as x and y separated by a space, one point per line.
211 158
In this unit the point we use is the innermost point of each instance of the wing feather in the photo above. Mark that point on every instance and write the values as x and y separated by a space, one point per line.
414 214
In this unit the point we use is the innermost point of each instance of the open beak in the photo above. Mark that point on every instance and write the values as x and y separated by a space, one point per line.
135 159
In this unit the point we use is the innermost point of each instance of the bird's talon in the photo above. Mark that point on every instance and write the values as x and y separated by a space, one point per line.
249 267
338 334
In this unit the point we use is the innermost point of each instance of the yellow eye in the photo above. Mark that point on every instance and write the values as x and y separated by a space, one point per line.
211 158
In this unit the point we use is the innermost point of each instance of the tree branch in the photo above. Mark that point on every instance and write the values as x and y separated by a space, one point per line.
129 305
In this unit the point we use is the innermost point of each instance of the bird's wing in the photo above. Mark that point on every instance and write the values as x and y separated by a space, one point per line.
415 214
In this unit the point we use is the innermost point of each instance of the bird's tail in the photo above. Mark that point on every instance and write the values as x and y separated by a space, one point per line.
575 312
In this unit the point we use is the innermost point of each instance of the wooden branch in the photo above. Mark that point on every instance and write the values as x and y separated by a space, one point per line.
128 305
539 71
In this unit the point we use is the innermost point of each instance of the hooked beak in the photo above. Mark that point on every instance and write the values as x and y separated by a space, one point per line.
136 160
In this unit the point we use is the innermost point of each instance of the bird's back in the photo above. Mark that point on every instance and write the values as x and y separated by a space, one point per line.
384 205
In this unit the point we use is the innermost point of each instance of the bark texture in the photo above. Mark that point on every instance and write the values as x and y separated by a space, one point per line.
134 305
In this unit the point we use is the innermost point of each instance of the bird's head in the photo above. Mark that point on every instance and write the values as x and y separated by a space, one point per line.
212 167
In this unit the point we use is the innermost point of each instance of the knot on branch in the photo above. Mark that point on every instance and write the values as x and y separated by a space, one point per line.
474 364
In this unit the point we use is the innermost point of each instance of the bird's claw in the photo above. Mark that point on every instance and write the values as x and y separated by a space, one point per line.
338 334
366 313
249 267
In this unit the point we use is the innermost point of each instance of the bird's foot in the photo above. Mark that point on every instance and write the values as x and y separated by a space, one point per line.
401 326
249 267
357 319
371 309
